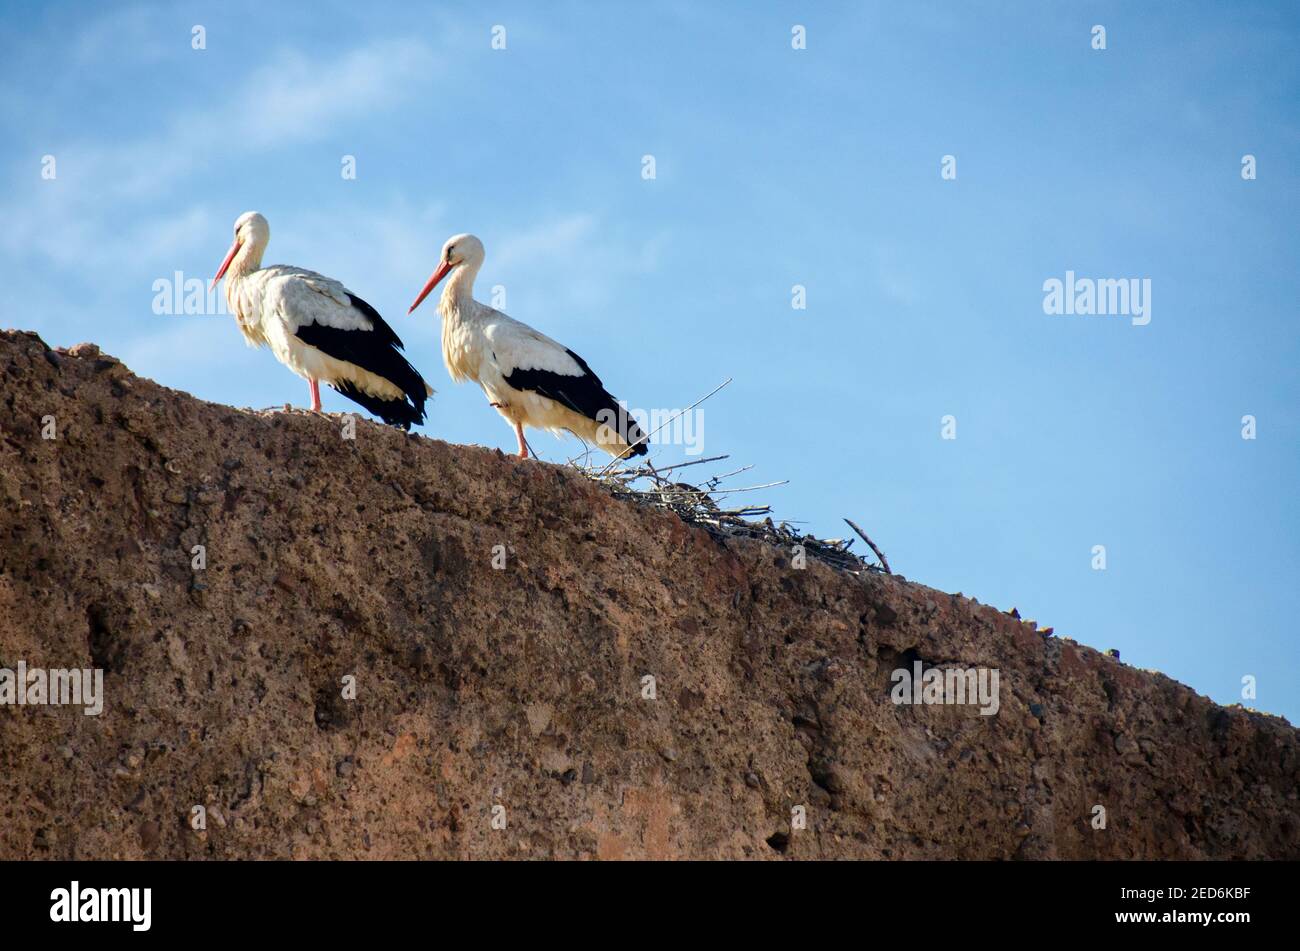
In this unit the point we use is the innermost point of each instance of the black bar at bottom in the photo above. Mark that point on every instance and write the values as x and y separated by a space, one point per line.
333 900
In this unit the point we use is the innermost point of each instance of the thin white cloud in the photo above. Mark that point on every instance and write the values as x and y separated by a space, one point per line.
299 98
383 254
569 263
553 242
552 269
129 27
124 212
290 100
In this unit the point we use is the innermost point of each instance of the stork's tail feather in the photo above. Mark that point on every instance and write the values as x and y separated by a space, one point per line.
399 413
628 432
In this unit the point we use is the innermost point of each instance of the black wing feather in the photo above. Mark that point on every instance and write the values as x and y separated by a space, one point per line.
584 394
379 352
397 413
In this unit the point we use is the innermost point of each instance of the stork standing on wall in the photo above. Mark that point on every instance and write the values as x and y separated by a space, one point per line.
529 378
319 329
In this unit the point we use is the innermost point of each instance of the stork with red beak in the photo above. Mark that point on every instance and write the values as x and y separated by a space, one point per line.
319 329
529 378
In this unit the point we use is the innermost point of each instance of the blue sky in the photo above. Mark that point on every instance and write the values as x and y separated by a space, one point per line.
774 167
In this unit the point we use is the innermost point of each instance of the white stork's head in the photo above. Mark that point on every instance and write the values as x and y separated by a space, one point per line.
251 235
462 251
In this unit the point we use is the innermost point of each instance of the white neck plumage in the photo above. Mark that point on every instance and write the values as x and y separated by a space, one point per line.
248 260
458 293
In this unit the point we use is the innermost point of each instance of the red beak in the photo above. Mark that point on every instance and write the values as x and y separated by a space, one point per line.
438 275
230 256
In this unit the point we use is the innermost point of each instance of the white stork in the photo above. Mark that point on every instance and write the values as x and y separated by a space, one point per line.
529 378
319 329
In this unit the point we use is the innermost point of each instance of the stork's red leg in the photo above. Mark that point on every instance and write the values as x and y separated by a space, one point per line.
315 395
523 446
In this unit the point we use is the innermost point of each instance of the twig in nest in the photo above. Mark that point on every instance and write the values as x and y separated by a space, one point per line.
693 462
698 505
644 440
879 554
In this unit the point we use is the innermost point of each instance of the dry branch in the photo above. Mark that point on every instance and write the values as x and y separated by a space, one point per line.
699 505
884 563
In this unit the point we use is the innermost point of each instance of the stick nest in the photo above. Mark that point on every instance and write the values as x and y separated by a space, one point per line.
709 506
